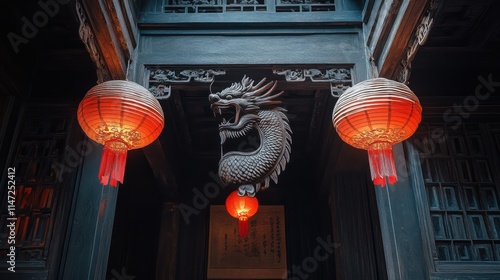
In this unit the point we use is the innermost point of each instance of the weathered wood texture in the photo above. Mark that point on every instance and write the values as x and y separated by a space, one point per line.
166 261
355 225
399 221
114 34
258 49
91 224
388 30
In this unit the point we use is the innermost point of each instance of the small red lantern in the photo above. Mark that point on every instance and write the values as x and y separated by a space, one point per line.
121 115
241 208
374 115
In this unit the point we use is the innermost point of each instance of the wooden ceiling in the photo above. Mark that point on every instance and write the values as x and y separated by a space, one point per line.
463 44
52 56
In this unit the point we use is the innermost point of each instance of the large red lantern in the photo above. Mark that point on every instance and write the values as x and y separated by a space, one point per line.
241 208
121 115
374 115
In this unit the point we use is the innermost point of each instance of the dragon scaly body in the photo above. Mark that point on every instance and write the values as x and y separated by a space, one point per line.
254 107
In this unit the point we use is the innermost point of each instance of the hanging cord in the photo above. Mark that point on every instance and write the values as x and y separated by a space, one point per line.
374 66
127 71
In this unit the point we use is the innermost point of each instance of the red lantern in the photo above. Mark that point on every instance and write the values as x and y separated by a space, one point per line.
121 115
374 115
241 208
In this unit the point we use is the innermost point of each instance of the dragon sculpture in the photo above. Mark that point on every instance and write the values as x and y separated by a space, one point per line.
252 108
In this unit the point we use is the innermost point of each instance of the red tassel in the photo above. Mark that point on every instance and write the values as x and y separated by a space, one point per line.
113 160
382 165
243 226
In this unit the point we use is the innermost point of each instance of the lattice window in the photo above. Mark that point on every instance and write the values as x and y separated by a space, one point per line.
463 197
223 6
42 143
305 6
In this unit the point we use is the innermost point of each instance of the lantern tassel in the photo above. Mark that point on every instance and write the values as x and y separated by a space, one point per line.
243 226
113 160
382 165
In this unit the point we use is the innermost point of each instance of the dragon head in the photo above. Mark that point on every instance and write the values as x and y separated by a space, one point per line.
238 106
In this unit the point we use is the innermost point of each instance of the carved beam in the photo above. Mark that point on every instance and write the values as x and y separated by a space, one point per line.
340 79
419 37
110 35
410 33
161 79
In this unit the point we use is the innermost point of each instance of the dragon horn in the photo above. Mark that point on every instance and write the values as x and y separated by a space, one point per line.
258 85
259 91
267 98
271 90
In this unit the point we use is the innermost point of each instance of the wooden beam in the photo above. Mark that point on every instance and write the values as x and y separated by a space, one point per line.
162 169
110 35
167 242
411 17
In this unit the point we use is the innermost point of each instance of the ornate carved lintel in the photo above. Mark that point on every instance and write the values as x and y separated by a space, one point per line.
161 91
418 39
339 78
89 40
315 75
337 89
184 76
161 79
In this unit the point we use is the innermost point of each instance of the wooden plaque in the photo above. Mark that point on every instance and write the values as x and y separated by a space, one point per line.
260 255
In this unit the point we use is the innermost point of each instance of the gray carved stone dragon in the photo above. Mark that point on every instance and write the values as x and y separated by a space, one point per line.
252 108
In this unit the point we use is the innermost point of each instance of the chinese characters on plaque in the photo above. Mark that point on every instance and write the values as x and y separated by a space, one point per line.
260 255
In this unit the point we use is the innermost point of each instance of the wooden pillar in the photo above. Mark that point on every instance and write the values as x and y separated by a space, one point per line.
167 242
359 254
90 225
399 222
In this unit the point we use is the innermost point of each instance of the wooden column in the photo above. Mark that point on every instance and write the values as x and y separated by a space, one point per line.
167 242
356 227
91 224
399 222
